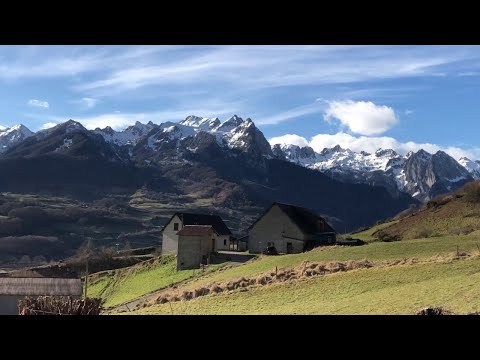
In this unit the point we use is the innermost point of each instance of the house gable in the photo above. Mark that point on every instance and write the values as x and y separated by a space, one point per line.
289 228
201 219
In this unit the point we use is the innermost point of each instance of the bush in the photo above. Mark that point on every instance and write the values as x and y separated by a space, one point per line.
462 230
434 311
59 305
472 192
385 237
422 233
439 200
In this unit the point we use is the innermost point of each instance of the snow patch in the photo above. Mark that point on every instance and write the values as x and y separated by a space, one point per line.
66 145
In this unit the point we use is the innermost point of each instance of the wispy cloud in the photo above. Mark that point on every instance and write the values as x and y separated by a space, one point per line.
259 67
408 112
49 125
88 103
469 73
296 112
62 61
38 103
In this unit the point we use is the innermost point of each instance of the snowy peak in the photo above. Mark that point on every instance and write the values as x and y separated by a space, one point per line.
232 123
422 155
335 149
386 153
205 124
336 158
13 135
130 136
473 167
300 155
420 174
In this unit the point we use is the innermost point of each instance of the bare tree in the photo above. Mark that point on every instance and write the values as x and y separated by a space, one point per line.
84 253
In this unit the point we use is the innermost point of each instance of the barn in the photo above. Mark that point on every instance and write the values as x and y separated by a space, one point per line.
290 229
178 220
14 289
195 244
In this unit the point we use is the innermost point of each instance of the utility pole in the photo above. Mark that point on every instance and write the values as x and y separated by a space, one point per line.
86 279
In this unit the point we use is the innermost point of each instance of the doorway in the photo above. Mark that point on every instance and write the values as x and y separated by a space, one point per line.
289 248
213 245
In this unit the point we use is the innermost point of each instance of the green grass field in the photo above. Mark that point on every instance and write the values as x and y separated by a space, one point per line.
401 289
127 284
376 251
122 285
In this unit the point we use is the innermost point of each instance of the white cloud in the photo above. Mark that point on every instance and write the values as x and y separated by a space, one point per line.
362 117
289 139
39 103
408 112
371 144
49 125
88 103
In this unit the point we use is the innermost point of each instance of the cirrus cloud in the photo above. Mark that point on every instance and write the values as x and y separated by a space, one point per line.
39 103
362 117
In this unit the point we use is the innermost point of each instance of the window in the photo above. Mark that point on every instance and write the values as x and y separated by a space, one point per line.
225 242
175 226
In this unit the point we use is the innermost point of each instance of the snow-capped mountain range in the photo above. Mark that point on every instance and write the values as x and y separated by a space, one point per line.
420 174
232 133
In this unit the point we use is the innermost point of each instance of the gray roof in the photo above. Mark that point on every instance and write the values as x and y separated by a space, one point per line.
202 219
40 286
306 220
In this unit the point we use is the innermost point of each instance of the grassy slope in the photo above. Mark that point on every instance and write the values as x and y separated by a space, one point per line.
420 248
128 284
123 285
451 218
401 289
392 290
368 235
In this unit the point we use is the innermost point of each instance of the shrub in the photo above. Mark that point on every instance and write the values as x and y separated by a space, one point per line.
422 233
385 237
439 200
411 210
59 305
462 230
434 311
472 192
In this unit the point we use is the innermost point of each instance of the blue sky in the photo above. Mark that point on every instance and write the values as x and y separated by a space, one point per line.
361 97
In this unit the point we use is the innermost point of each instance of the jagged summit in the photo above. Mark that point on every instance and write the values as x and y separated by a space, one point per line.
13 135
386 152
